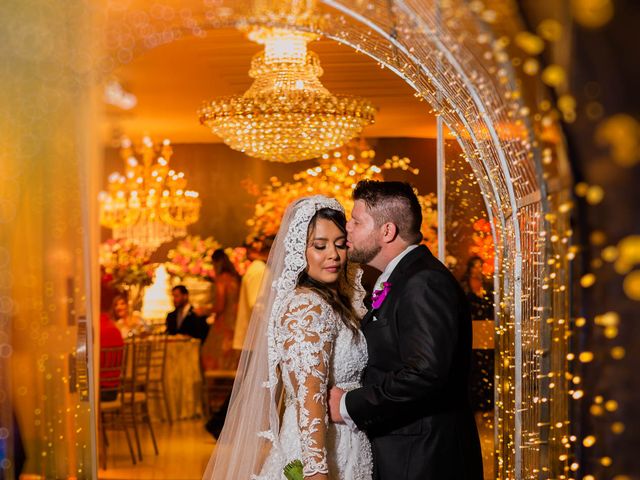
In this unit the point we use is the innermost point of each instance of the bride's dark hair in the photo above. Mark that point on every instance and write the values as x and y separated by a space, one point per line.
337 299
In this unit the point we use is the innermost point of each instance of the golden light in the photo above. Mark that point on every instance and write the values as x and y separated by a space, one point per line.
617 427
631 285
618 353
585 357
588 280
592 13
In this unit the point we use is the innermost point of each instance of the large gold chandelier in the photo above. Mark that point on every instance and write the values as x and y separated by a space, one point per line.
148 204
287 114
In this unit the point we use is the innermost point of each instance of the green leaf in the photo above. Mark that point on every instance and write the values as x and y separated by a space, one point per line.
293 471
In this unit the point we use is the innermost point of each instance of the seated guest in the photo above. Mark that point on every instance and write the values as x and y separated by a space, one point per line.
110 337
128 324
184 320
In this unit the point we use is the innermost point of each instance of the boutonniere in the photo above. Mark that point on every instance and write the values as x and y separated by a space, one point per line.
378 296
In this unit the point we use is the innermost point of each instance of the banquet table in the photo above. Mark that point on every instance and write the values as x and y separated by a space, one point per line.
182 381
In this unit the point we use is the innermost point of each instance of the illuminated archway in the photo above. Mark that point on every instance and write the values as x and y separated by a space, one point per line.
451 58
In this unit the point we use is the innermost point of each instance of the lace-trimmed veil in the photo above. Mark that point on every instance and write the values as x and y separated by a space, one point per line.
252 424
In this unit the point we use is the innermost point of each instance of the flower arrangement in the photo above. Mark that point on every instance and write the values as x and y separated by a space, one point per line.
336 176
192 258
125 264
482 245
238 257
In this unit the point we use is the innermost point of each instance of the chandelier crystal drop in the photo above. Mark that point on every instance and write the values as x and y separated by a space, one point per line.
148 204
287 115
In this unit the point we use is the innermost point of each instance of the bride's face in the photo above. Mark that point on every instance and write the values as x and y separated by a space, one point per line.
326 252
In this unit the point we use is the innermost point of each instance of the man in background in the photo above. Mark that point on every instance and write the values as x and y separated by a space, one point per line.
184 320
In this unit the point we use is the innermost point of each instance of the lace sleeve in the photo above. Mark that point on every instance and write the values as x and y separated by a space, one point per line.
307 340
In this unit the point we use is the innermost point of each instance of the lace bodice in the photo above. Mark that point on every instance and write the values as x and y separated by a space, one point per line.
316 350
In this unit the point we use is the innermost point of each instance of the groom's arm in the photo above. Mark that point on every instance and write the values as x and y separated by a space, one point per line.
427 322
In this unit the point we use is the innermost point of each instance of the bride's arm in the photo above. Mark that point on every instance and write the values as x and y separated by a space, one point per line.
307 349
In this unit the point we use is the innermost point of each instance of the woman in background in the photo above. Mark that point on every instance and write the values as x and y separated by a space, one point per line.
480 295
217 350
127 323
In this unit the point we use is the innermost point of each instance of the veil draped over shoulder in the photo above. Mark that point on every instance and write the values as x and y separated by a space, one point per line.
252 425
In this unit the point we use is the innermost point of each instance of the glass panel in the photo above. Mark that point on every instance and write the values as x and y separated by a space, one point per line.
470 255
45 340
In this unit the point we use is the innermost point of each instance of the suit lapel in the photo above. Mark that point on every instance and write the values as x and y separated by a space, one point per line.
396 279
367 318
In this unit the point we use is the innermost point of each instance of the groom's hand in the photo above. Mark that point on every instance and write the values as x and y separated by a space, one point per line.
335 395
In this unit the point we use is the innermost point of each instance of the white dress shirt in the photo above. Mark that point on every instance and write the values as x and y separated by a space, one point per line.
378 286
184 311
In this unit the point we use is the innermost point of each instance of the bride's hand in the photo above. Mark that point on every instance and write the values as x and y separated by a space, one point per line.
318 476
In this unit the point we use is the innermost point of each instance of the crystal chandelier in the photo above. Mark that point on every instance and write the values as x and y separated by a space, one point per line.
287 114
149 204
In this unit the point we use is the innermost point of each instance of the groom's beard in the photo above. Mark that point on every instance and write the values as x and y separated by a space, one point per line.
363 255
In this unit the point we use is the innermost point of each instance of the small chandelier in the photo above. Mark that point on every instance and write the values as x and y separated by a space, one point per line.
149 204
287 114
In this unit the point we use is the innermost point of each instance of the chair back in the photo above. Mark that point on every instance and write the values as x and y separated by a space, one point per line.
113 361
158 358
141 351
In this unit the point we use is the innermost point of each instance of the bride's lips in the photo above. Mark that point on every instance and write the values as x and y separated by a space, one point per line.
334 269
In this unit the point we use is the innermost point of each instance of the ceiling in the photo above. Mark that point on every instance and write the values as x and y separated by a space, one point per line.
173 80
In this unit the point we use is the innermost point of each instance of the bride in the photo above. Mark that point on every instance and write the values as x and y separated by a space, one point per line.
302 340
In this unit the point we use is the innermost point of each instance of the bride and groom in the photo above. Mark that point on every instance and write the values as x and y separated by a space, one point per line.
353 393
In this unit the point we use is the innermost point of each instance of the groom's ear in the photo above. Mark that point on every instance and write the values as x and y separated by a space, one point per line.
389 232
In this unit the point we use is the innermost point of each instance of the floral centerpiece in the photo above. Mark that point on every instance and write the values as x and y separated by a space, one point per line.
190 265
336 176
192 258
127 268
238 257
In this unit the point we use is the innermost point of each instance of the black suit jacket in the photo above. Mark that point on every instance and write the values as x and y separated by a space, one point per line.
414 399
193 325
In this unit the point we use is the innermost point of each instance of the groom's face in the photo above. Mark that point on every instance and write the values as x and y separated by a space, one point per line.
363 236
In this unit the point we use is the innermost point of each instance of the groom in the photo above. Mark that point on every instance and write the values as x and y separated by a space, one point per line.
413 403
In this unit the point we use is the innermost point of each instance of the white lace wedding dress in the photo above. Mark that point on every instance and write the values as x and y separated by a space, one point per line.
316 350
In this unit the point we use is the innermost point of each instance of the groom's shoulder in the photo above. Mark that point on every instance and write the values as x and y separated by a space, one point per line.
428 269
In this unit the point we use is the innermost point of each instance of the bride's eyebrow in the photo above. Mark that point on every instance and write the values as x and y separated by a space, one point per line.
326 239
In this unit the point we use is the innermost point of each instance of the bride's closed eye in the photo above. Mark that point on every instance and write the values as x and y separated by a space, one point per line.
340 245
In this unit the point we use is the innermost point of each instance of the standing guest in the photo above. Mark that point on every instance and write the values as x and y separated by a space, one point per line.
217 350
480 295
478 290
128 323
184 320
257 252
110 337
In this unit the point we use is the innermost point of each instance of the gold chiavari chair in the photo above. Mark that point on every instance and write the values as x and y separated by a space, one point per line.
113 361
135 396
156 388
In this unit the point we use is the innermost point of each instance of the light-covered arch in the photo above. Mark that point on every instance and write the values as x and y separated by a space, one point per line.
449 56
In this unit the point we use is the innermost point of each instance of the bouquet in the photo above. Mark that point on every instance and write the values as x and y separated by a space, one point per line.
192 258
125 264
293 470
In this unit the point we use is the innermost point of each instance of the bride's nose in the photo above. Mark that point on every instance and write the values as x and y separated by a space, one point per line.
333 251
